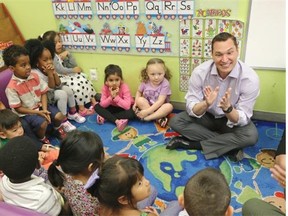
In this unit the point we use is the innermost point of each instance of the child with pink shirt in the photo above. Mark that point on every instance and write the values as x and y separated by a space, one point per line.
116 99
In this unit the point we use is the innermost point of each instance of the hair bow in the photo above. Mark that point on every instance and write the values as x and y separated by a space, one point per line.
92 179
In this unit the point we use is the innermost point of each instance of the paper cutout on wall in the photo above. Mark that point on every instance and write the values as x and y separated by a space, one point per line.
117 38
169 9
197 30
72 9
78 36
200 42
184 47
150 37
117 9
3 45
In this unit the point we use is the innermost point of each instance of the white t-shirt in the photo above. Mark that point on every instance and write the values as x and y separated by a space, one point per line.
34 194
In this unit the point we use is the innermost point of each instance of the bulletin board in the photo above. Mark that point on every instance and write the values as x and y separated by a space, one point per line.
195 42
266 37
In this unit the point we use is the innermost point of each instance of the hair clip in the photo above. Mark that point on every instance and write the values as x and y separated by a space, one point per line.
92 179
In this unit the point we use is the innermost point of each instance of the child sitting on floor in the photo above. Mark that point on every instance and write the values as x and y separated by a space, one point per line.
120 186
11 126
18 160
80 158
116 100
70 74
206 193
41 60
152 100
26 94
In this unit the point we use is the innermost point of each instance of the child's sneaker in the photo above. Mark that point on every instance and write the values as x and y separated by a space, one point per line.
67 126
100 119
45 140
76 117
121 124
60 133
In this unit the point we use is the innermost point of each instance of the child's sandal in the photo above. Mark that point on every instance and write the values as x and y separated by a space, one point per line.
163 122
86 112
100 119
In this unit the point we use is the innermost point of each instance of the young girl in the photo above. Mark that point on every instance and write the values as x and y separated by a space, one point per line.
116 100
153 95
81 155
121 185
70 74
41 60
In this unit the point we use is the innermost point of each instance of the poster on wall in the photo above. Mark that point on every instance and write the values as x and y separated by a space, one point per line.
122 26
195 42
148 27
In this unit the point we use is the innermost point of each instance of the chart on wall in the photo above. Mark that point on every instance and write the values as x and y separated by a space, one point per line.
121 26
195 42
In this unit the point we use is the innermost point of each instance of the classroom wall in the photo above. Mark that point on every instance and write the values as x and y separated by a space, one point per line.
34 17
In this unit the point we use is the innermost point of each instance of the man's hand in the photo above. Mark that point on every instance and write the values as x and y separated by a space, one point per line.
224 103
210 95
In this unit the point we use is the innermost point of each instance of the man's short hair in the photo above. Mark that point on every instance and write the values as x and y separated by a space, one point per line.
224 36
18 158
207 193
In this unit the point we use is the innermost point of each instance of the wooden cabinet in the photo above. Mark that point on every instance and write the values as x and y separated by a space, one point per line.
9 32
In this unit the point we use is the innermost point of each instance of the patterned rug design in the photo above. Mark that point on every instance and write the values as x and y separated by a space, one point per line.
169 170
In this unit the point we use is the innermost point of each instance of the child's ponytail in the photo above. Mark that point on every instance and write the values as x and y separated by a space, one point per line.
55 176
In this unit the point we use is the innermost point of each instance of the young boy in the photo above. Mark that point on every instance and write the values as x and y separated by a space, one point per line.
11 126
206 193
18 160
26 94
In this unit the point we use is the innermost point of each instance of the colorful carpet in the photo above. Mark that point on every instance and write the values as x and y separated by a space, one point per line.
169 170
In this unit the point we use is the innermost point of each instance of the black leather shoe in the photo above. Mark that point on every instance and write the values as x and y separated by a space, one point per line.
236 155
177 142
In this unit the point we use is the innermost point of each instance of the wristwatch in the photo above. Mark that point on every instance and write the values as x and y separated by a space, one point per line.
228 110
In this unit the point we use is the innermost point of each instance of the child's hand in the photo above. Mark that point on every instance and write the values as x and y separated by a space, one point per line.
279 174
41 156
49 69
114 91
45 114
77 70
151 209
135 109
142 114
64 54
2 106
47 147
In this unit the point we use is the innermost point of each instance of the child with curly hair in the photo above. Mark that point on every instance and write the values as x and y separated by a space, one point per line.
152 100
41 60
70 74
